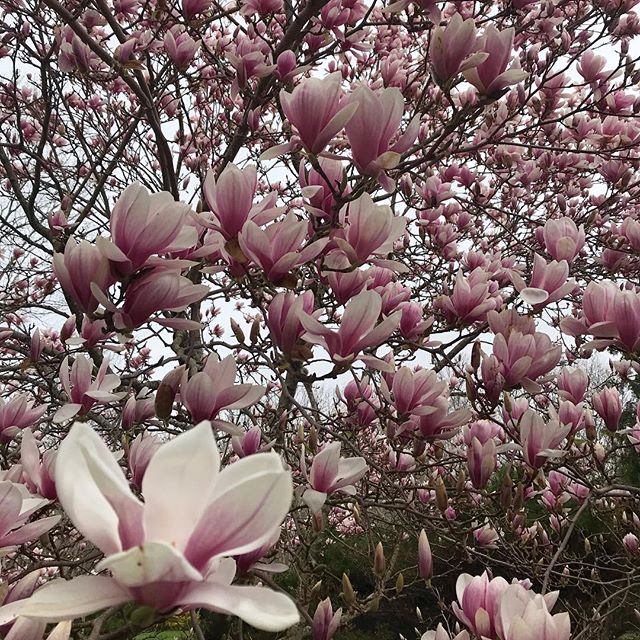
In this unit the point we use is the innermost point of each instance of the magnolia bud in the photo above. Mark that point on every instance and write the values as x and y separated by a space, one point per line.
506 493
379 561
425 557
313 439
374 605
442 500
255 331
237 331
348 594
399 583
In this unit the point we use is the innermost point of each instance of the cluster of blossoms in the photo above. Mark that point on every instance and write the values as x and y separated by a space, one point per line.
289 286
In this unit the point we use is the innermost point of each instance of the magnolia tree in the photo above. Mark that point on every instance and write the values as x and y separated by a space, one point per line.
319 316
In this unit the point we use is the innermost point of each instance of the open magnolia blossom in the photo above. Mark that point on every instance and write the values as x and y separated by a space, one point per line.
173 550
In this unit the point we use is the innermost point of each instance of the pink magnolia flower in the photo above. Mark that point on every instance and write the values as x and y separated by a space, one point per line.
591 67
143 225
425 557
37 470
562 238
81 388
81 265
277 250
330 473
373 126
478 603
473 296
316 108
17 505
141 450
357 330
549 283
248 443
481 461
452 49
491 76
367 229
525 616
174 549
540 439
74 54
159 290
18 412
483 430
230 199
283 319
486 537
325 621
360 402
138 408
608 405
412 323
180 46
212 390
412 392
261 7
320 189
631 543
572 384
442 634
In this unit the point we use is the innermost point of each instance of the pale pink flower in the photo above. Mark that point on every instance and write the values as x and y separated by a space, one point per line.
180 46
230 199
608 405
157 291
174 549
492 76
213 390
283 319
143 225
562 238
278 249
80 266
330 473
525 616
37 469
472 297
18 412
17 506
373 127
317 110
479 603
367 229
357 330
141 450
325 621
539 439
572 384
549 283
453 48
83 391
481 461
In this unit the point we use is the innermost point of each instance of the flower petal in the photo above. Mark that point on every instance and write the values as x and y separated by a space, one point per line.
65 599
147 563
178 483
94 493
252 498
260 607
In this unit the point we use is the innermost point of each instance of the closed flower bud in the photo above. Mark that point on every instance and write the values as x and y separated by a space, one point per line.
348 594
379 561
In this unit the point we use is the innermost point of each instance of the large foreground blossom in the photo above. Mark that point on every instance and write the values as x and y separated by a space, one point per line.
173 550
